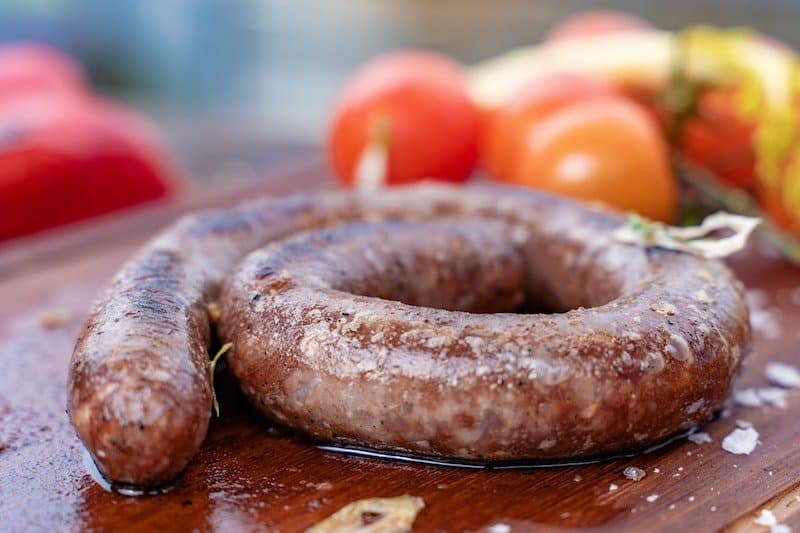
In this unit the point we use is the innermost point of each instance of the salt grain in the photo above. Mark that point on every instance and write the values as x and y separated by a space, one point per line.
783 375
652 498
634 473
747 398
766 322
774 396
741 441
763 319
699 438
612 487
498 528
767 519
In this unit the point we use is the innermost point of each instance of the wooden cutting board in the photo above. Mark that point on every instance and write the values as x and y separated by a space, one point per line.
251 476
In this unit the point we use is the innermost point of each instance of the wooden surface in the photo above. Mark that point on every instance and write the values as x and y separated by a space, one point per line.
250 476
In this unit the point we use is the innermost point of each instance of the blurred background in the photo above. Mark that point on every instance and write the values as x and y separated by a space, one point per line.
250 70
237 86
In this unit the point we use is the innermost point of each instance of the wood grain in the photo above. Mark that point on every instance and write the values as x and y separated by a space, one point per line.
251 476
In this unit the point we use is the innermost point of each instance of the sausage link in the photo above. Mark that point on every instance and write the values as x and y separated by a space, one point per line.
138 392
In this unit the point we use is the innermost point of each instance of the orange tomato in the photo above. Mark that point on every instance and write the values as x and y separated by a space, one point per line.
412 111
608 150
772 205
504 128
596 22
717 139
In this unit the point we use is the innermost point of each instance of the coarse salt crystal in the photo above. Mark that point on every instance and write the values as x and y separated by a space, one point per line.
652 498
747 398
766 322
741 441
612 487
774 396
767 519
783 375
699 438
498 528
634 473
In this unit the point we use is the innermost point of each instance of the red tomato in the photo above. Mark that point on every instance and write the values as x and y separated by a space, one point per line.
412 107
717 139
504 128
596 22
31 67
608 150
64 157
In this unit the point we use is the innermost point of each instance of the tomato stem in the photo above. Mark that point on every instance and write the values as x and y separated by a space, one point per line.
373 165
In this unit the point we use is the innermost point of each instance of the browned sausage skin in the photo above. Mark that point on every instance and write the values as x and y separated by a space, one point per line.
319 345
138 390
320 350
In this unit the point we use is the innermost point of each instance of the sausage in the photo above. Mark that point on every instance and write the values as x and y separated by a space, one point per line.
385 320
369 335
